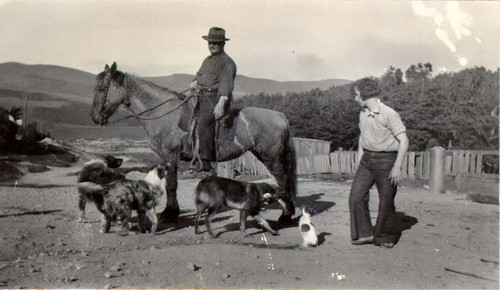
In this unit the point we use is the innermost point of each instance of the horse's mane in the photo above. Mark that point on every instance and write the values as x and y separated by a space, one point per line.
139 86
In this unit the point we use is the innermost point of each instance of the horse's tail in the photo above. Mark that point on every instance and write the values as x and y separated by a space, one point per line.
290 164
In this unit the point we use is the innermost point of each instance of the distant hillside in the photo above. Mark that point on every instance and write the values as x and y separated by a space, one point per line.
55 81
70 83
61 96
245 85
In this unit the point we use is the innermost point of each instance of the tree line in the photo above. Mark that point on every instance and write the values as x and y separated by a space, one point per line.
455 110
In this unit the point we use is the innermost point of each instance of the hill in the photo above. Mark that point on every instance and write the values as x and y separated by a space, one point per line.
73 84
54 81
59 98
246 85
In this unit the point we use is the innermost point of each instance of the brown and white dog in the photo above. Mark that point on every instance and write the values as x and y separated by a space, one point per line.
94 174
213 193
123 196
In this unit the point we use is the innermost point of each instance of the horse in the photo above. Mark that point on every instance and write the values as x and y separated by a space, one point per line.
263 132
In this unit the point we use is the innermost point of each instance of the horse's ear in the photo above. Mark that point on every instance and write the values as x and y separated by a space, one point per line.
113 67
106 67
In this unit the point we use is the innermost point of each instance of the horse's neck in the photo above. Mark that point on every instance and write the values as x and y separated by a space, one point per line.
144 95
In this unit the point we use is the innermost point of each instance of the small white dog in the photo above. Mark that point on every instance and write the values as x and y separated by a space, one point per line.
309 236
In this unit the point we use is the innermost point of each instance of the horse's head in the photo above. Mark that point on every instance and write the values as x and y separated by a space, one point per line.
104 106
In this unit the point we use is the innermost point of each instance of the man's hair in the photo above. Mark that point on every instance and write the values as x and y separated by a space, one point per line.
367 87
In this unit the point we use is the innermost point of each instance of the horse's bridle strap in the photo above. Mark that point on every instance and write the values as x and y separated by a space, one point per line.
105 98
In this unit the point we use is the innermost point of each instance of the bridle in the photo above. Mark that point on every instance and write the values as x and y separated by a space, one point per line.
105 97
126 103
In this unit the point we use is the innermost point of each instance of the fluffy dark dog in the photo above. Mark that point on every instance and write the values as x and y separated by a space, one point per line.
95 173
123 196
213 193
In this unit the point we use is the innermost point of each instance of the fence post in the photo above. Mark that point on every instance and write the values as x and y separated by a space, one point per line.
341 160
436 176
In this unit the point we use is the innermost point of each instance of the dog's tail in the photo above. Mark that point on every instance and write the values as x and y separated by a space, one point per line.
90 188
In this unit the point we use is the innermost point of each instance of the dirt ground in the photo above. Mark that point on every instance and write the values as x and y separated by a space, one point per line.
447 242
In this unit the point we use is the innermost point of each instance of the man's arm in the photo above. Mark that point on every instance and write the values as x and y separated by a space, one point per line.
395 176
226 85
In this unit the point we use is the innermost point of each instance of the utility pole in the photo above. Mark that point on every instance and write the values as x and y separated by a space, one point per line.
25 121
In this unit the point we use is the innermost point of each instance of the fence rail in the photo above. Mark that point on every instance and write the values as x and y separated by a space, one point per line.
416 165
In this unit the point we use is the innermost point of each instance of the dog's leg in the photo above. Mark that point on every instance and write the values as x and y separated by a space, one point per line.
107 225
198 216
154 220
211 213
125 218
265 224
141 217
243 221
81 205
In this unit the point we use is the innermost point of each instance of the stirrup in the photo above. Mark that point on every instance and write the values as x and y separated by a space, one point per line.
202 166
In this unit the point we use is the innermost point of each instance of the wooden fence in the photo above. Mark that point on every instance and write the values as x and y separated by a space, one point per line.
415 166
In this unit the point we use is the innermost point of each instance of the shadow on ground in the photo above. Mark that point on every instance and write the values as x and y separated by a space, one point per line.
403 222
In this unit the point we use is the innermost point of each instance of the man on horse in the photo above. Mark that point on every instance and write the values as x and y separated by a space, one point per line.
213 83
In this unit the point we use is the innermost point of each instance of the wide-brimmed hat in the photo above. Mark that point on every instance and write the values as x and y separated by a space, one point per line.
215 34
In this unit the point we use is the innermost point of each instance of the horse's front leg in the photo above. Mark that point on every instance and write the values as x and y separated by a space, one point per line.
171 211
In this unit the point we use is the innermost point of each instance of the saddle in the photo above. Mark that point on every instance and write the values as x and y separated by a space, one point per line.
188 120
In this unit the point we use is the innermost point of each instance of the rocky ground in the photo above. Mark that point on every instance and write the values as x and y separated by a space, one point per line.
447 241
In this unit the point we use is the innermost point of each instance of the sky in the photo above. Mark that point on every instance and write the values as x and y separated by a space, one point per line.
280 40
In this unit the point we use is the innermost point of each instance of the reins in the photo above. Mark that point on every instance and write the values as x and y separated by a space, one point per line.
138 116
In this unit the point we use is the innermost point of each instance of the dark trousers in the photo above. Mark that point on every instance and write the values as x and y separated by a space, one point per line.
206 125
374 168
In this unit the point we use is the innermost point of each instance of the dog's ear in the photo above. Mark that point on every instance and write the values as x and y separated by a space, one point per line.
113 162
162 172
309 209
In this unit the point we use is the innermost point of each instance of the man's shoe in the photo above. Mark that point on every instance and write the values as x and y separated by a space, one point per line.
205 166
362 241
386 245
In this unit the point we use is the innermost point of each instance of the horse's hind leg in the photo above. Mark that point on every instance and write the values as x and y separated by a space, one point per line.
285 176
171 211
284 198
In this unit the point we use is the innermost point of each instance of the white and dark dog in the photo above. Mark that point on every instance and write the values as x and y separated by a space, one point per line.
307 230
121 197
212 193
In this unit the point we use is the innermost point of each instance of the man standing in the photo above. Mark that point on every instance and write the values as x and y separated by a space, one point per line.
382 147
214 82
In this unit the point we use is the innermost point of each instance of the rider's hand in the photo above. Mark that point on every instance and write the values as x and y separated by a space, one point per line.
193 84
219 108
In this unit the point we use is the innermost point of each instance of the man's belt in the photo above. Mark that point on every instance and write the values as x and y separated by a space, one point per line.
207 90
370 151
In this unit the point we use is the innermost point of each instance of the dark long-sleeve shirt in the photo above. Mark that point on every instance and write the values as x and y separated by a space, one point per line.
217 73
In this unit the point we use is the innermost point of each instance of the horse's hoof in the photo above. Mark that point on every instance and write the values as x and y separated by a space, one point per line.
122 233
